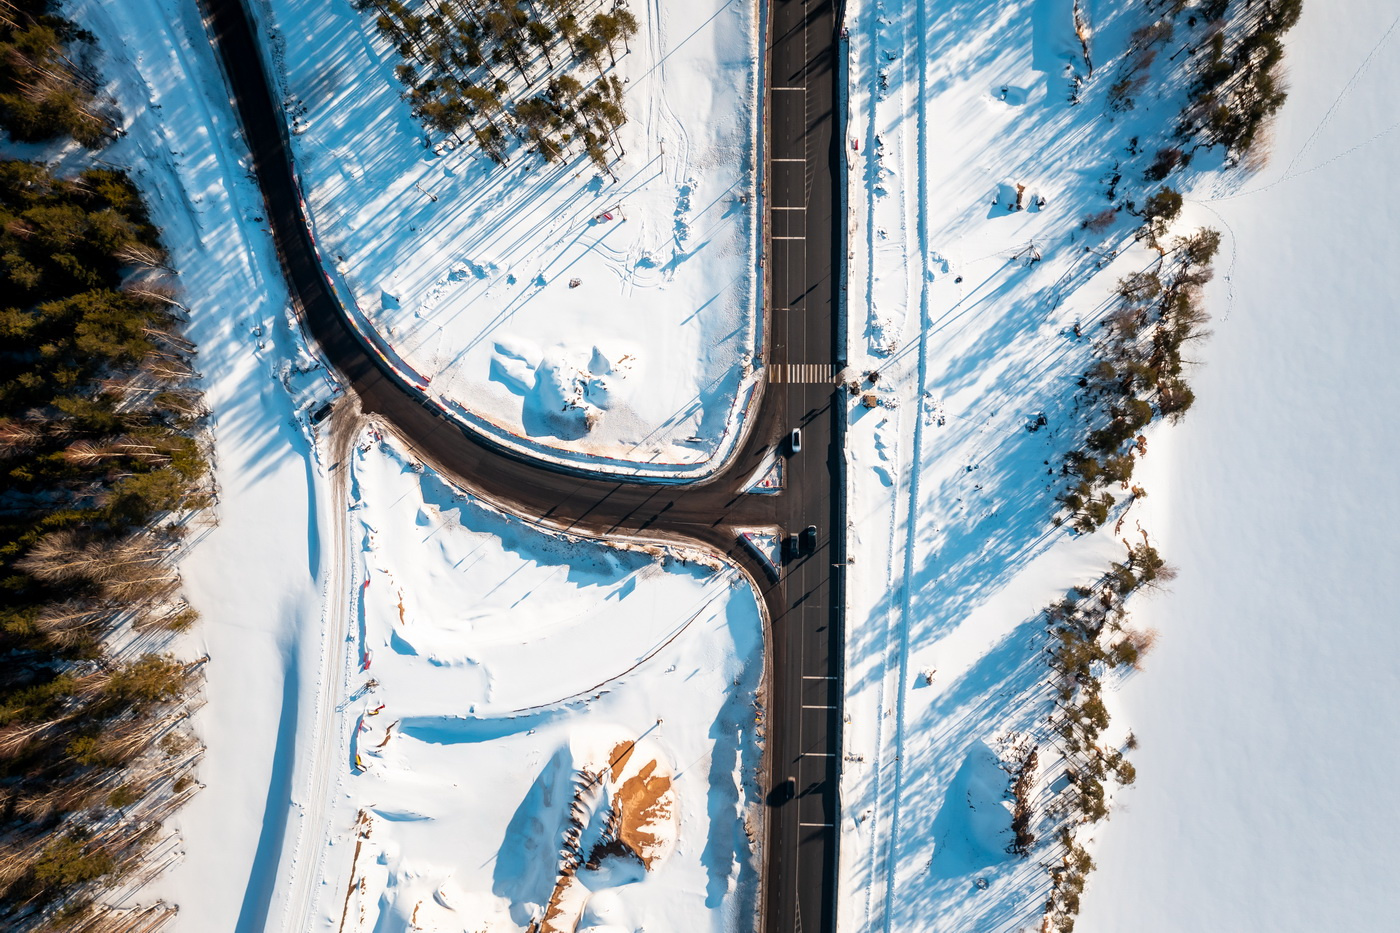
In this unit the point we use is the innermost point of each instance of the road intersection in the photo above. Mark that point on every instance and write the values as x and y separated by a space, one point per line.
803 252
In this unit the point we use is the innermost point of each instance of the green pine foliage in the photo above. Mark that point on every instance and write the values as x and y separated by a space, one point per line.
99 463
1090 637
491 71
1237 83
46 88
1139 376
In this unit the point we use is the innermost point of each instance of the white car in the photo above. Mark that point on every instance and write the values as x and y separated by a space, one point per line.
795 441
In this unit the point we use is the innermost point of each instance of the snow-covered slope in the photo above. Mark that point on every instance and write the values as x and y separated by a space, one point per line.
1268 712
608 322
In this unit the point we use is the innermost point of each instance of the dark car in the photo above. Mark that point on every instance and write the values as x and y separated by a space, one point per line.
809 539
790 788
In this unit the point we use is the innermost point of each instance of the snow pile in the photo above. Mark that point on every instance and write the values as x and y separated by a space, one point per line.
538 729
609 322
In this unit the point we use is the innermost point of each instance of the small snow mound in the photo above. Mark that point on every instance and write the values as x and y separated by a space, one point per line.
972 826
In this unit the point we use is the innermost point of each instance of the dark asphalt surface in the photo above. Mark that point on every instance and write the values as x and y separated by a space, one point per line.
806 641
804 608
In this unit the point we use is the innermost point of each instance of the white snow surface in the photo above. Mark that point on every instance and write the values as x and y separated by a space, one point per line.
1256 802
461 269
252 842
966 307
1266 711
503 659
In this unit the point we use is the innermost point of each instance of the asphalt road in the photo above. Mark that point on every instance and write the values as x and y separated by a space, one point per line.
806 641
803 605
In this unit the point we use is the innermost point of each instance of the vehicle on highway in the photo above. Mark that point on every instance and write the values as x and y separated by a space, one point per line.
795 441
790 788
809 539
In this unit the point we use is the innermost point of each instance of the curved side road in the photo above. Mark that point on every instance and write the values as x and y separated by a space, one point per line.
804 638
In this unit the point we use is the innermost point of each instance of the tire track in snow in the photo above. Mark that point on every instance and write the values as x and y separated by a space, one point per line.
871 180
913 187
309 853
874 165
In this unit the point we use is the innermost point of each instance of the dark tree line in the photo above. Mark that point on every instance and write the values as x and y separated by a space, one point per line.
489 71
1139 375
47 89
100 463
1234 81
1090 637
1236 84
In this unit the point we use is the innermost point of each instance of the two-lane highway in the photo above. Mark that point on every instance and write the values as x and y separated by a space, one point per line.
806 643
803 606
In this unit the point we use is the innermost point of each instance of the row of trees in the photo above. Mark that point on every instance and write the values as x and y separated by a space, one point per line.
101 466
488 71
1090 638
1139 375
47 88
1237 85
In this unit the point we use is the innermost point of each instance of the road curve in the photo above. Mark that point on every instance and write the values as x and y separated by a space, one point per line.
804 638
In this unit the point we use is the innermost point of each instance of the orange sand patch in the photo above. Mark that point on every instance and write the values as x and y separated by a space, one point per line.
621 752
643 803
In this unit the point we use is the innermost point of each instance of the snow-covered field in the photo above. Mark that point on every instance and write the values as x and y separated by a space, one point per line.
1267 712
967 307
1259 738
609 322
495 663
508 662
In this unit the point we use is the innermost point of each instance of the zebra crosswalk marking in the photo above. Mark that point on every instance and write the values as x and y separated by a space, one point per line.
802 373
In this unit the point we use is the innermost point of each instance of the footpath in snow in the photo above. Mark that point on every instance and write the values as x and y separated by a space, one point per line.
608 322
533 728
